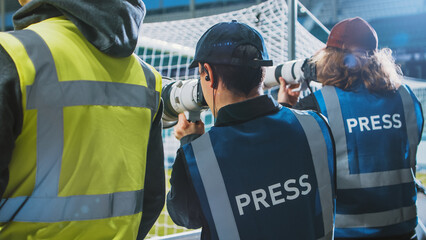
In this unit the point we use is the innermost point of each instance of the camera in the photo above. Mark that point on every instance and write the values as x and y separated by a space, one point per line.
301 71
181 96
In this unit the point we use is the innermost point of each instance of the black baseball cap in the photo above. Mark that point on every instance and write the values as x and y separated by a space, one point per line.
218 43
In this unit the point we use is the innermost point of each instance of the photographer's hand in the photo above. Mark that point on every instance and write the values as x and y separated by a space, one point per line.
286 93
184 127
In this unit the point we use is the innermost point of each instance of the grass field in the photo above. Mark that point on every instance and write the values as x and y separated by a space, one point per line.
165 226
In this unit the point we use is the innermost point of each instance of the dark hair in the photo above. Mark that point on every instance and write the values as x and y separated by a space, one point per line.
240 80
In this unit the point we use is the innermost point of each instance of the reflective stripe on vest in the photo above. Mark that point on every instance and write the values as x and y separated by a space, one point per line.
378 219
319 157
410 122
217 195
72 208
151 82
49 97
214 185
346 180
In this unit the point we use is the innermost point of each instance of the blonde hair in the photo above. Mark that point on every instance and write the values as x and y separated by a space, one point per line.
348 70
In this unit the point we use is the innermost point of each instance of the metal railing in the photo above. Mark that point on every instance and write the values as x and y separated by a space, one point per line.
291 25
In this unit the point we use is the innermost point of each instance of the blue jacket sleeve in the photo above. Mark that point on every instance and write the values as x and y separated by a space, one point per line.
154 191
182 202
11 115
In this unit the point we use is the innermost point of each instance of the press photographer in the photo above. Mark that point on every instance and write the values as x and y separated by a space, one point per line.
254 131
376 122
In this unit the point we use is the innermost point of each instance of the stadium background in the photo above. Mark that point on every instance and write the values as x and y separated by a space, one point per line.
172 27
400 25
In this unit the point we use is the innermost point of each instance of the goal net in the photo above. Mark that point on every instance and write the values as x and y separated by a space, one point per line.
170 47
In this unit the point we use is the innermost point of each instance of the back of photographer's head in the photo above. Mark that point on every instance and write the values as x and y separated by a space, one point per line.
236 53
352 58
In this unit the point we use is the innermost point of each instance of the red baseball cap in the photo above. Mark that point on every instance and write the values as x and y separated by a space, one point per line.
353 34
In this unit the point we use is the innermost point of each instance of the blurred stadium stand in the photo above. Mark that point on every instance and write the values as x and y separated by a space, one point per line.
401 25
169 10
367 9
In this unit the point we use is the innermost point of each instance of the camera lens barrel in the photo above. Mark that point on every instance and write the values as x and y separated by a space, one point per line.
291 71
181 96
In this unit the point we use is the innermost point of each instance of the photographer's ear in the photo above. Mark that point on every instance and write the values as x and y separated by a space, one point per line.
209 76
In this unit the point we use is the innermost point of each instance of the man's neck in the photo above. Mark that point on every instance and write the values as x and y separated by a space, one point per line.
226 97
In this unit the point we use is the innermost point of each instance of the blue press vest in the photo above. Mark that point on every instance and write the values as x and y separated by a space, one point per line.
261 179
376 140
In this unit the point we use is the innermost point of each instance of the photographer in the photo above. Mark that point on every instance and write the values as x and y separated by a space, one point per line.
376 123
256 173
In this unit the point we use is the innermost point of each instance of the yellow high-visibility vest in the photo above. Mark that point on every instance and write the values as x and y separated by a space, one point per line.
78 167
